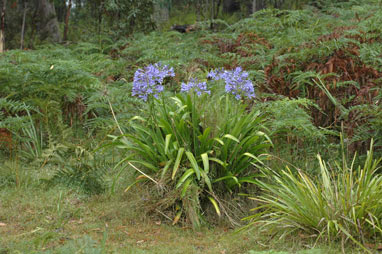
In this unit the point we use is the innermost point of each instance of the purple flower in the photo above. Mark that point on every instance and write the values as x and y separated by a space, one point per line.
195 86
236 82
148 81
215 74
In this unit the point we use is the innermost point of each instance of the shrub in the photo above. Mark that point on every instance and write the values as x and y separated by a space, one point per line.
343 203
193 146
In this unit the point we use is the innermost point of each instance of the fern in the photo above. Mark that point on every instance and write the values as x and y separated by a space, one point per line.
84 172
12 114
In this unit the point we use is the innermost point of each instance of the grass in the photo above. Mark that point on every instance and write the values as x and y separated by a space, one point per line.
38 219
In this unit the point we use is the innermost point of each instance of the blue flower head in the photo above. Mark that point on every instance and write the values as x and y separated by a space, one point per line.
148 81
193 85
215 74
236 82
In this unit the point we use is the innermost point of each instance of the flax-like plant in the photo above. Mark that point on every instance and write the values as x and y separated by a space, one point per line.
344 202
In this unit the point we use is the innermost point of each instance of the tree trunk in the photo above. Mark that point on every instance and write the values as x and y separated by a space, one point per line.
198 8
212 6
2 29
23 25
219 3
67 20
48 21
100 13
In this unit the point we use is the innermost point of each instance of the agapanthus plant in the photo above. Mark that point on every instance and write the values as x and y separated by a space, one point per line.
236 82
193 147
197 87
149 81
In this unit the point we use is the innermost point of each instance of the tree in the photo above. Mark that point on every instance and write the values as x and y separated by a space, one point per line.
2 28
67 20
48 22
127 16
23 25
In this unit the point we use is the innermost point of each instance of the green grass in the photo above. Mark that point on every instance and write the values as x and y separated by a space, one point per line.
38 219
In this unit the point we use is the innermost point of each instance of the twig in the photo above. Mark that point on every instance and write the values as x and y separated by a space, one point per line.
120 130
115 118
140 171
163 214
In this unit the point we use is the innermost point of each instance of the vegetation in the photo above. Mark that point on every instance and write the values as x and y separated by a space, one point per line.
119 133
342 205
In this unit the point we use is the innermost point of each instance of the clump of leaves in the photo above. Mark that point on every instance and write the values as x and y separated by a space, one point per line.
191 158
344 202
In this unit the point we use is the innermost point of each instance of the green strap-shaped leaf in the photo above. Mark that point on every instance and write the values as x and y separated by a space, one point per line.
177 162
167 143
185 187
260 133
249 179
219 141
224 164
138 118
225 178
206 162
207 180
194 164
177 217
215 204
166 167
186 174
229 136
254 157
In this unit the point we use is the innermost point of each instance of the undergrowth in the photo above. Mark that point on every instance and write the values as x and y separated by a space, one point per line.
317 72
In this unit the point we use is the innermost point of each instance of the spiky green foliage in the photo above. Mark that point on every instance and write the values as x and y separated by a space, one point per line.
344 202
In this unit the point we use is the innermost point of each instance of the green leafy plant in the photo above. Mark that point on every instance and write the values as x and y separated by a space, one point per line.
84 170
32 139
192 152
344 202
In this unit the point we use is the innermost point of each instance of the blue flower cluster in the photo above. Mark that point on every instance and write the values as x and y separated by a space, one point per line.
195 86
236 82
148 81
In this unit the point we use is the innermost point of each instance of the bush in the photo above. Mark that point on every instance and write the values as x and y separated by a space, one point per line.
344 203
194 146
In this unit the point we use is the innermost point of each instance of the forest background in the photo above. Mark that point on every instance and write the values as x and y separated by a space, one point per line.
126 124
